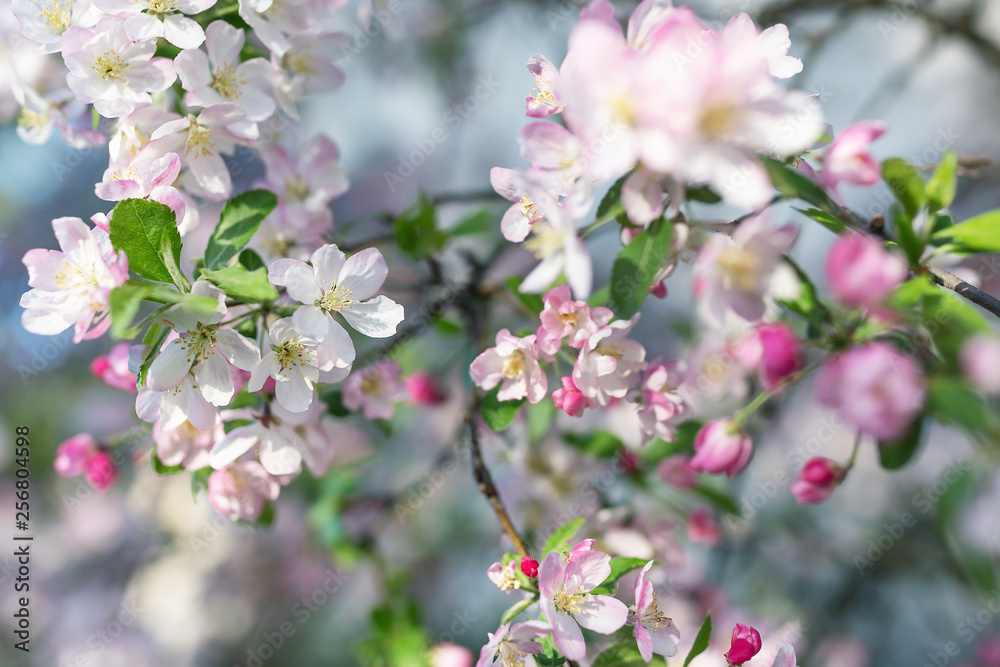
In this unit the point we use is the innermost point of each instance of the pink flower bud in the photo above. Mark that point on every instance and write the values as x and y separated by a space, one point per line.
780 353
847 159
113 370
423 389
529 566
677 470
720 447
72 455
861 272
569 399
745 645
819 477
101 471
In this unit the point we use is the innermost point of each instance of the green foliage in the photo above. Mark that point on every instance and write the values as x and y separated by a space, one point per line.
683 443
540 418
951 400
624 653
532 302
636 266
161 468
796 185
897 453
239 221
703 194
806 303
499 414
620 566
397 639
250 260
126 299
516 609
831 222
147 232
334 402
700 641
416 229
905 182
602 444
560 537
978 234
940 189
477 222
612 198
550 655
242 285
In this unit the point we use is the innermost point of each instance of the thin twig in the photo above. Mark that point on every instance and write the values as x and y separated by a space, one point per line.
974 294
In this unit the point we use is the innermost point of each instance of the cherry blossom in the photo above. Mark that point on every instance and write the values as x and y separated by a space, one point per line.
720 447
374 390
71 287
308 68
847 159
73 454
861 272
45 21
204 349
518 219
338 284
240 491
513 645
172 407
662 406
570 399
126 70
504 577
146 19
746 643
512 364
543 102
221 77
565 319
653 631
153 183
292 362
566 599
609 364
112 369
186 445
980 359
101 471
819 477
59 110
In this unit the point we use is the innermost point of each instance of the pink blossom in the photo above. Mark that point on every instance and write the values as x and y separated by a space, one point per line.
424 389
557 157
126 70
504 577
861 272
780 353
773 44
785 657
113 370
59 110
677 470
514 363
543 103
131 133
221 76
980 360
609 364
720 447
73 455
307 68
154 182
71 287
734 273
662 406
375 389
570 399
875 388
100 471
847 159
565 598
172 407
654 632
819 477
186 445
46 22
518 219
513 645
703 528
240 491
745 644
450 655
562 318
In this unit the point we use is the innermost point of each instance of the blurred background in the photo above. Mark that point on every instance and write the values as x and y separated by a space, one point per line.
144 574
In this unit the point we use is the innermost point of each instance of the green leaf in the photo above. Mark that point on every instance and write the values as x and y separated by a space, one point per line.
831 222
905 182
160 468
719 499
540 418
792 183
250 260
612 197
952 400
416 229
560 537
147 232
911 244
978 234
700 640
940 189
140 378
239 221
550 655
477 222
266 518
636 266
499 414
603 444
806 304
124 302
242 285
683 443
515 609
624 653
334 402
703 194
897 453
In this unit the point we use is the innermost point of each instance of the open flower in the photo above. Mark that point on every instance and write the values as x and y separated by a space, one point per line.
513 362
653 631
543 101
154 182
375 390
504 577
609 363
146 19
204 349
45 21
71 287
240 491
566 599
293 365
662 406
563 318
512 645
343 285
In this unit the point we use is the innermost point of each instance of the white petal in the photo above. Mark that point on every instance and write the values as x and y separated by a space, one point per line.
239 350
363 273
376 318
311 321
296 392
170 367
337 348
328 262
237 443
215 380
